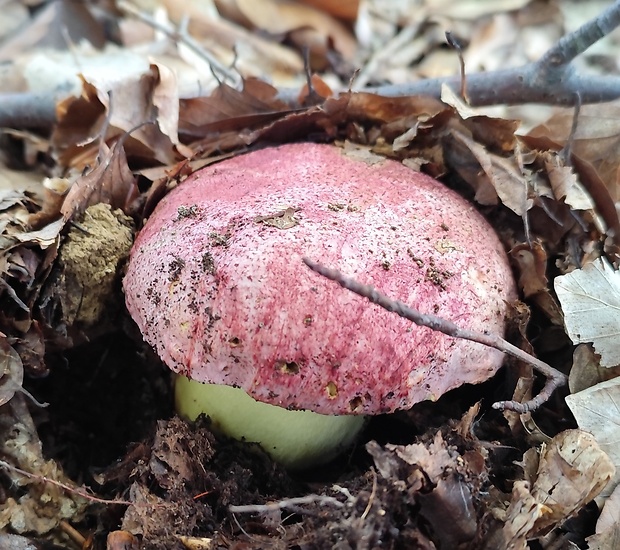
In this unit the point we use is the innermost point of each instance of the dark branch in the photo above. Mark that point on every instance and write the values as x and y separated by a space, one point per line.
555 378
551 80
577 42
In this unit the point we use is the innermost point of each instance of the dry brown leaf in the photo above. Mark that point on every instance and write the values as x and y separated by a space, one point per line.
227 109
251 54
520 517
11 371
283 16
573 470
110 182
568 473
45 237
533 282
343 9
591 181
55 26
41 506
143 107
503 174
596 140
565 183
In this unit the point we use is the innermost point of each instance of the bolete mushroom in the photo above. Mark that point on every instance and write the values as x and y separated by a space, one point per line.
276 354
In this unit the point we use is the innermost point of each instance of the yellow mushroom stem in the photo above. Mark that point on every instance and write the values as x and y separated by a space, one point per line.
295 439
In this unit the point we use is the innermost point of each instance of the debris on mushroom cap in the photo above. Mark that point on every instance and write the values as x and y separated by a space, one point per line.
217 285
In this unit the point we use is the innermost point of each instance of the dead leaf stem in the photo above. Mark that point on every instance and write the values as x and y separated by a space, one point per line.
555 378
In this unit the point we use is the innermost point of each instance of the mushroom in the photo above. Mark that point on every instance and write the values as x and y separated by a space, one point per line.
275 354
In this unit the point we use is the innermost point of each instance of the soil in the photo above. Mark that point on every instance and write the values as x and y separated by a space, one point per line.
111 426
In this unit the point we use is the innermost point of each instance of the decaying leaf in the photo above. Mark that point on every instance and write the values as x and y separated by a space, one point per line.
42 506
532 264
607 534
597 410
110 182
586 370
573 469
11 371
590 299
596 139
570 471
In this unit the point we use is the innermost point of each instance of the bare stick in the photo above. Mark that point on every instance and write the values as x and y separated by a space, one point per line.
288 503
551 80
456 45
555 378
577 42
69 489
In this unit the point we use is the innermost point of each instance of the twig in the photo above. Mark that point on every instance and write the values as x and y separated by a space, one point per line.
566 151
371 498
551 80
577 42
183 37
456 45
287 503
69 489
555 378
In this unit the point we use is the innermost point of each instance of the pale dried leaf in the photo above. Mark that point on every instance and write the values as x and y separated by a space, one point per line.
281 17
597 410
44 237
521 515
503 174
608 525
110 182
11 372
565 184
586 370
590 300
574 468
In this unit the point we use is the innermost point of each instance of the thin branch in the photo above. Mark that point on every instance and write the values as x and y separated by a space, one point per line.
555 378
63 486
456 45
287 503
577 42
183 37
551 80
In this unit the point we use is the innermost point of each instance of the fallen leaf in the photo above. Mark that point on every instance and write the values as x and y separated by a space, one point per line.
110 182
586 370
597 410
574 468
607 534
532 263
590 300
11 371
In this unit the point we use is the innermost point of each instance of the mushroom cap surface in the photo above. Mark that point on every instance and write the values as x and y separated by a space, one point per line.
217 285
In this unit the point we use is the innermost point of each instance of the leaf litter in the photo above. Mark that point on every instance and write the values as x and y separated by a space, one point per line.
125 140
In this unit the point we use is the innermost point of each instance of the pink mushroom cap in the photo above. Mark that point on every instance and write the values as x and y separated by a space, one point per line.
217 285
